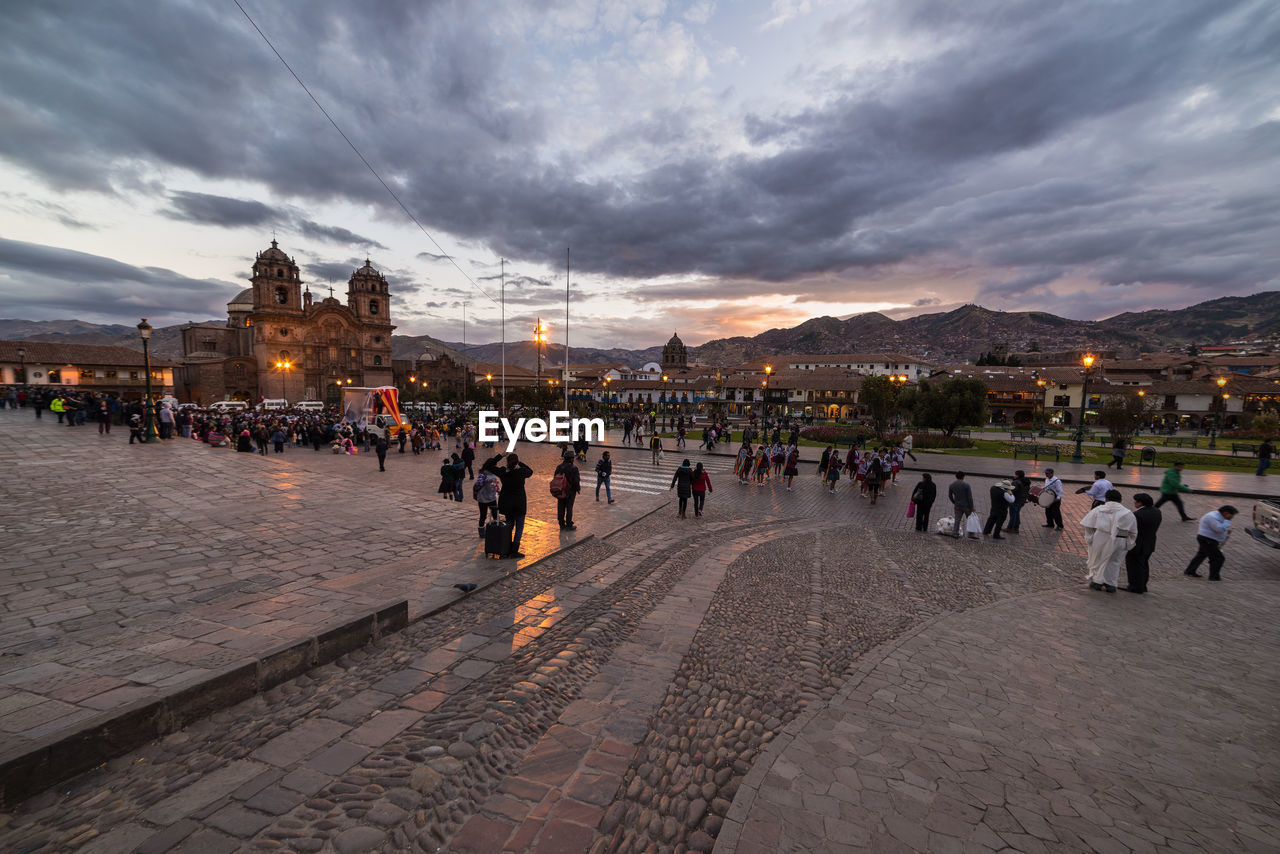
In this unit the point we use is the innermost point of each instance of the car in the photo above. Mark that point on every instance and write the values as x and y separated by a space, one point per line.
1266 522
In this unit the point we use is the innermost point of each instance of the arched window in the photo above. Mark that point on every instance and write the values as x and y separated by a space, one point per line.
377 360
279 273
373 306
282 295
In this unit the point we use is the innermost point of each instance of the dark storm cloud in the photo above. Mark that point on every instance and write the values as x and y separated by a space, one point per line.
1044 137
50 281
206 209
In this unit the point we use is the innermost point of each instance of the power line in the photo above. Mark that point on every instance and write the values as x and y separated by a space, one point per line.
363 160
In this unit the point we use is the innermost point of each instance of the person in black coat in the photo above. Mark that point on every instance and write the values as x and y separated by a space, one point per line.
513 504
1021 494
564 503
682 483
1137 560
1001 498
381 448
925 493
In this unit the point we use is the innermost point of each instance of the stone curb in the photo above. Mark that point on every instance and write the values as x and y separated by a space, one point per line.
34 767
37 766
735 820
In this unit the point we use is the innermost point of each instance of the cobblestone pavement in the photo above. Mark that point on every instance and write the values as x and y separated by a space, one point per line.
612 697
1064 721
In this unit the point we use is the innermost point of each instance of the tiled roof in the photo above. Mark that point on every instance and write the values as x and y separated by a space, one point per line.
79 355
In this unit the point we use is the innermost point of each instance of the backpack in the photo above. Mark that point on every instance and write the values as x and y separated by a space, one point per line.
482 480
559 485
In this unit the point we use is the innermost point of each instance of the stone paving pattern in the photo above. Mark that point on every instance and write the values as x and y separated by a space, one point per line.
1065 721
618 696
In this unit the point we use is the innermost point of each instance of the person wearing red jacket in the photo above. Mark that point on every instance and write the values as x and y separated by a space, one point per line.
701 486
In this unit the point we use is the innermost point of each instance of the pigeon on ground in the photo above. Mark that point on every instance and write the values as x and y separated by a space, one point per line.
465 588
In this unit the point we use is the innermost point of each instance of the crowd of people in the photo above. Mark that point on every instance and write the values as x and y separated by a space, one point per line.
1113 533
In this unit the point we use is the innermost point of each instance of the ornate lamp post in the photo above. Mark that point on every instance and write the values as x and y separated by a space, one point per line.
144 331
1040 384
489 377
283 367
1217 420
1087 361
22 366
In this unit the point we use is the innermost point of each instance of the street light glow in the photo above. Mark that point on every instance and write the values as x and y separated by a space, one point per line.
1088 360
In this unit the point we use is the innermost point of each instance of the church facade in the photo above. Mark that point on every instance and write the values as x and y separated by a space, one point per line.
280 342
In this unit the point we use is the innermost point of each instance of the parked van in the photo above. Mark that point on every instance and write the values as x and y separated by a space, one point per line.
274 403
228 405
310 405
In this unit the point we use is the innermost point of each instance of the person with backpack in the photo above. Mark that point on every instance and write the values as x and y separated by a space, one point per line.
655 448
565 486
604 474
485 492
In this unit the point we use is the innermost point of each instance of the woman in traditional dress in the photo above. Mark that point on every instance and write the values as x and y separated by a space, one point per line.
742 465
762 465
792 467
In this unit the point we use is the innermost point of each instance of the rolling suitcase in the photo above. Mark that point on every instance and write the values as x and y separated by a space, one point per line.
497 539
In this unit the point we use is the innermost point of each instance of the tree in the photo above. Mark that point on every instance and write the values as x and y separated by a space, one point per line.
879 396
1123 414
958 402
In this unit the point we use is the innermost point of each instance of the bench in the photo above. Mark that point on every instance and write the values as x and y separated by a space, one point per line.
1181 441
1245 447
1036 451
1025 435
966 434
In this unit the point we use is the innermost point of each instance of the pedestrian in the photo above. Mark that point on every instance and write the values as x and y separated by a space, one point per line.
513 504
103 411
924 494
569 493
1001 498
1170 487
277 439
961 497
1021 493
1097 490
742 465
1117 454
906 447
446 479
792 466
381 450
827 454
701 486
655 448
1215 527
1265 451
402 437
135 429
485 492
1137 562
604 475
1053 512
874 478
1110 530
682 483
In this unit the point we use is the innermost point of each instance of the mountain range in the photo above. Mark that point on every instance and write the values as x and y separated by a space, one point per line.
956 335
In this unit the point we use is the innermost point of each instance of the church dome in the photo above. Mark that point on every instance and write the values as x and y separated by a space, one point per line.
275 253
675 341
367 270
242 300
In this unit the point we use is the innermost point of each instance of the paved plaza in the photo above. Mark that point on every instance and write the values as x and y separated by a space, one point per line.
795 671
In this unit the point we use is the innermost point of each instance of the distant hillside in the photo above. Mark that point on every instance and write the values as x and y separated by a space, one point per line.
1215 320
957 335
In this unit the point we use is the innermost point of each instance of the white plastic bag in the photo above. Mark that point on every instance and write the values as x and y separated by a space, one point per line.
973 525
944 525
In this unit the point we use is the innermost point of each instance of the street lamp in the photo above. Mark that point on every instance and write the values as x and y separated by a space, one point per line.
1087 361
1217 421
144 331
1040 384
22 366
539 338
283 366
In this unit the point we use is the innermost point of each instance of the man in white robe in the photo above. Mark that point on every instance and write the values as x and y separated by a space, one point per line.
1110 530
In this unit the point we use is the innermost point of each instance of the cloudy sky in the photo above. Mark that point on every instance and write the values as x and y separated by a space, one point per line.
714 167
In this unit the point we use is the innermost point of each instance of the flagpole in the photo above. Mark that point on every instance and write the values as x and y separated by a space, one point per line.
566 328
504 336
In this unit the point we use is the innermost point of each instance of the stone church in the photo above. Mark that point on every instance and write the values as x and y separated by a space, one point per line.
279 342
